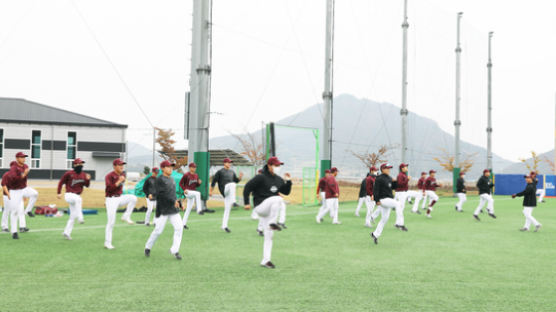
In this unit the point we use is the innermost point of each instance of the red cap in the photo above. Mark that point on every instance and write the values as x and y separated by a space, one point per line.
260 171
78 161
423 173
21 154
403 165
274 161
373 168
227 160
533 173
155 169
485 171
327 171
461 173
385 166
192 165
432 171
166 163
118 162
333 170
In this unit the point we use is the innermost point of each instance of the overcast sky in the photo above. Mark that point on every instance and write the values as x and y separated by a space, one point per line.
268 61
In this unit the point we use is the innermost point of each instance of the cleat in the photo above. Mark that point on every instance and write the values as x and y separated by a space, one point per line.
319 220
368 225
15 235
227 230
5 230
260 232
147 252
31 214
429 215
492 215
403 228
108 246
476 217
208 211
185 227
538 227
178 256
357 214
337 222
524 229
66 236
456 208
147 224
23 229
82 222
200 212
140 222
282 225
268 265
275 227
374 238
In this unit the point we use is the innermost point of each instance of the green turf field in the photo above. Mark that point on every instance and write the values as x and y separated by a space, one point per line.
447 263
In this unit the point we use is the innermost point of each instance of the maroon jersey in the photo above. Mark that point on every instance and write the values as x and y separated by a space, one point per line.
331 187
5 178
430 184
11 180
402 182
322 183
111 188
370 184
189 181
74 182
421 183
19 182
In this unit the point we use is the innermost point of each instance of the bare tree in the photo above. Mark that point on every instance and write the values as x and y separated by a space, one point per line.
167 151
373 159
448 161
253 150
550 163
535 160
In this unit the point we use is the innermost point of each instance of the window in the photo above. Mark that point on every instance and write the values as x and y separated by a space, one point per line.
72 149
36 149
1 147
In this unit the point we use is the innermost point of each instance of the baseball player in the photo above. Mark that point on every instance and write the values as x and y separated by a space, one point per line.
384 198
28 192
266 189
362 195
485 188
414 197
421 186
461 191
189 183
539 191
369 187
332 192
227 181
320 190
149 189
402 186
167 209
430 191
114 199
529 203
74 180
281 216
12 187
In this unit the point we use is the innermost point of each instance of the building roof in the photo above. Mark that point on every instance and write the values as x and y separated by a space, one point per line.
217 157
16 110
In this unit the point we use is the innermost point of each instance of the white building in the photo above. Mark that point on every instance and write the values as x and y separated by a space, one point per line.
53 137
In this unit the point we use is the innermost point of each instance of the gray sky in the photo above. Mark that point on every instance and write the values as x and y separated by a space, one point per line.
268 61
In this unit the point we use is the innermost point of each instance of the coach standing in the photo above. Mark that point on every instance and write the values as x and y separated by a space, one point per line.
74 180
384 198
485 188
227 182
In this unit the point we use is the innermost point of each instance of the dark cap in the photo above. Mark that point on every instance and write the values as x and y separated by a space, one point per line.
274 161
485 171
334 169
385 166
155 169
192 165
533 173
78 161
166 163
403 165
227 160
432 171
373 168
461 173
327 171
21 154
118 162
423 173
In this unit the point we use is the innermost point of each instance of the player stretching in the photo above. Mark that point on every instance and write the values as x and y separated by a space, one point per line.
529 203
421 186
320 190
430 191
266 189
226 179
369 184
485 188
362 195
384 198
402 186
13 198
460 192
332 192
189 183
74 180
150 193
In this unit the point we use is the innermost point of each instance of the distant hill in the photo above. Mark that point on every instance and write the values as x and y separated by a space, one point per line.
362 125
544 167
139 156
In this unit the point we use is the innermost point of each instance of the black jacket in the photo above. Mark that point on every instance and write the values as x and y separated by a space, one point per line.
165 196
149 187
529 195
223 177
460 187
484 185
383 187
363 188
265 185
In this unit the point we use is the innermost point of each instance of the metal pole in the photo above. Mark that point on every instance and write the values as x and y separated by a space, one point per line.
489 127
200 90
154 147
327 95
457 122
404 111
555 133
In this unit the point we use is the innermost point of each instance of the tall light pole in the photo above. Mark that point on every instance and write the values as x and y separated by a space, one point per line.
327 95
457 122
489 127
199 86
404 111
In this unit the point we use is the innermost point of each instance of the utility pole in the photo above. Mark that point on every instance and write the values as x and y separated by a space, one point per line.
327 95
154 147
457 122
489 127
404 111
555 133
199 88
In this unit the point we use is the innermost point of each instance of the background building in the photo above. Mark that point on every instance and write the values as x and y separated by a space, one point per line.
53 138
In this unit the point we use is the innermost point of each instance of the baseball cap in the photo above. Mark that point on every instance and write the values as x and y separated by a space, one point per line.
432 171
78 161
192 165
274 161
327 171
385 166
461 173
533 173
260 171
21 154
403 165
423 173
118 162
227 160
373 168
166 163
155 169
486 170
334 169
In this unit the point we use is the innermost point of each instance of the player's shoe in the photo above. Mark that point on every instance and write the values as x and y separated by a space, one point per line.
66 236
268 265
260 232
538 227
185 227
15 235
109 246
337 222
23 229
357 214
147 252
5 230
417 212
227 230
208 211
319 220
476 217
375 239
147 224
401 227
492 215
82 222
524 229
31 214
178 256
368 224
201 212
128 221
282 225
275 227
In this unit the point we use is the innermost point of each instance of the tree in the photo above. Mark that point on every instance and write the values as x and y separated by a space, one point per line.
167 151
550 163
253 150
448 161
373 159
146 170
535 160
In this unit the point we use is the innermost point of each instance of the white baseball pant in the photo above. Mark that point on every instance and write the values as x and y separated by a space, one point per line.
6 215
370 208
417 196
362 200
386 204
401 197
175 220
193 198
462 199
282 218
151 204
330 207
15 208
485 199
268 212
425 198
528 213
229 200
541 193
32 194
75 209
112 204
322 202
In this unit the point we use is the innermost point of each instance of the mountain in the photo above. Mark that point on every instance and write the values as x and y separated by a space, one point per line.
139 156
543 167
361 126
